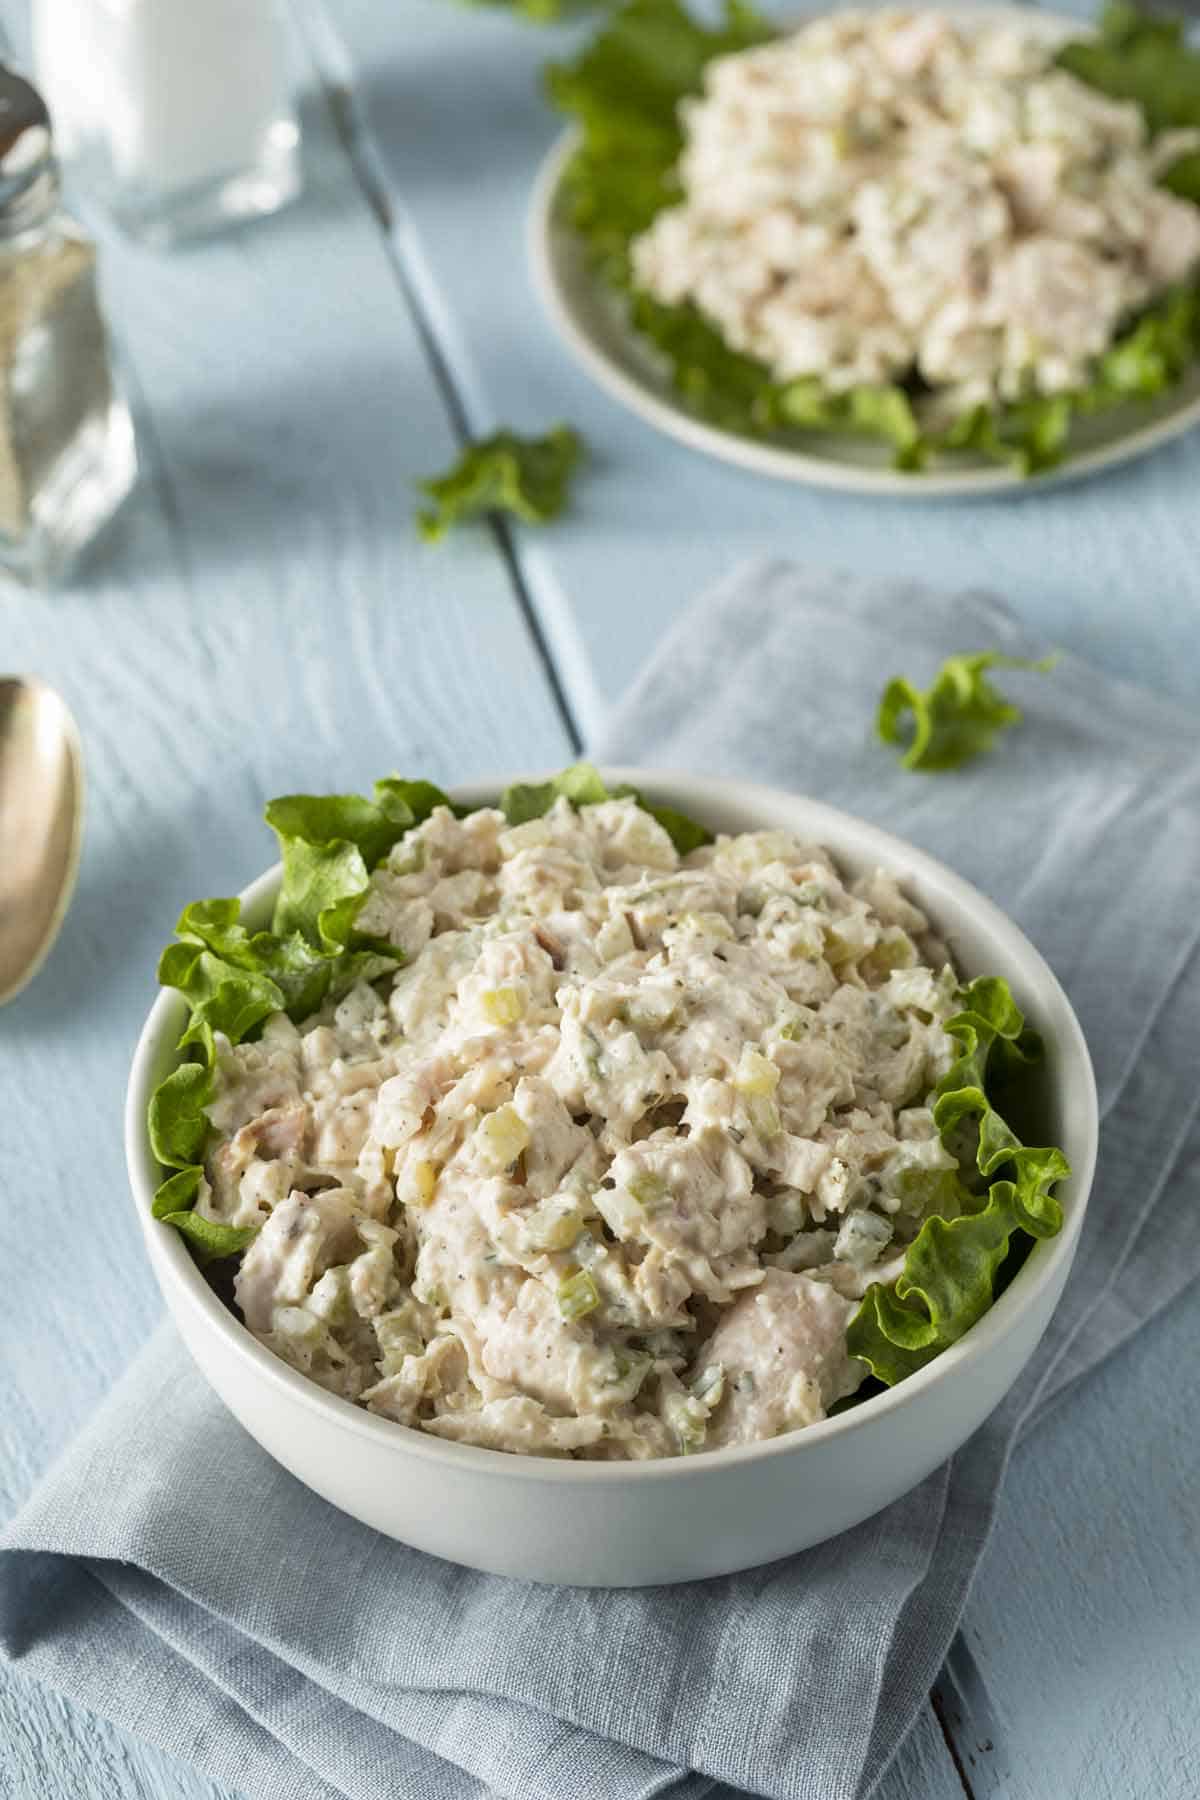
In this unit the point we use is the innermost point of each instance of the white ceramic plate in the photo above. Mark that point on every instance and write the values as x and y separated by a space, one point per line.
590 319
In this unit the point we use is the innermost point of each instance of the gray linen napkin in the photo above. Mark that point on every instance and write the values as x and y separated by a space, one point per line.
169 1575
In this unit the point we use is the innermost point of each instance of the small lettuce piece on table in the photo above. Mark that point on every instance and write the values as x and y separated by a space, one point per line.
623 92
526 476
582 785
956 718
950 1268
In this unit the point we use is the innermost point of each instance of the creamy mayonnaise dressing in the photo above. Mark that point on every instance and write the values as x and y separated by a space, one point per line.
883 194
606 1167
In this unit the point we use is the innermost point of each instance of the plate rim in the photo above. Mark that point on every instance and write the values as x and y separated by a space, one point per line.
545 234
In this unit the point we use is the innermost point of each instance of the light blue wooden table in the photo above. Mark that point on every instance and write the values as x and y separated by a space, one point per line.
264 618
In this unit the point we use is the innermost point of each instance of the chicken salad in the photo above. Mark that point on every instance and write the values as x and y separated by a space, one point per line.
603 1138
892 192
961 233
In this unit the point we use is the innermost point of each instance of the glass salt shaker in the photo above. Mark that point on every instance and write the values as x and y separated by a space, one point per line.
176 114
67 456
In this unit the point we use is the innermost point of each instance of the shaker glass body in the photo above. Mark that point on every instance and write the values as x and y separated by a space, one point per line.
67 456
176 113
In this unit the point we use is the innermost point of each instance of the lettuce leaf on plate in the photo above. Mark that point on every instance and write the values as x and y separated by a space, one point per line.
525 476
1143 57
623 92
957 717
950 1269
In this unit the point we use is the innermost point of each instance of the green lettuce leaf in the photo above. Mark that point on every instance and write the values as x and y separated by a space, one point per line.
178 1192
957 717
329 844
222 997
1143 57
525 476
686 834
623 92
1183 177
233 979
208 1236
178 1124
581 784
950 1268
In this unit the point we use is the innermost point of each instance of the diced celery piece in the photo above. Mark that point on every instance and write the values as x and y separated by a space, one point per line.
809 893
330 1298
502 1006
630 1369
418 1184
895 950
688 1419
577 1295
648 1189
397 1339
500 1137
837 950
764 1115
710 1385
593 1056
862 1238
756 1073
553 1226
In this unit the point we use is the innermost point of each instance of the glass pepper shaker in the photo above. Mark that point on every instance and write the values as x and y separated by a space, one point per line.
177 114
67 456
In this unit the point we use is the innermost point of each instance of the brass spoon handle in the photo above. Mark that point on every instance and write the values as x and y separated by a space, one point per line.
41 815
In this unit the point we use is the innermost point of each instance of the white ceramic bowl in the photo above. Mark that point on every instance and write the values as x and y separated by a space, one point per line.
635 1524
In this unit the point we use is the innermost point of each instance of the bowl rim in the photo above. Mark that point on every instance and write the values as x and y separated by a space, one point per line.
173 1261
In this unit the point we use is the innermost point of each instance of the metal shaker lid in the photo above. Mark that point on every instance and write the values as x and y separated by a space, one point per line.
26 141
